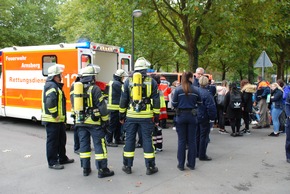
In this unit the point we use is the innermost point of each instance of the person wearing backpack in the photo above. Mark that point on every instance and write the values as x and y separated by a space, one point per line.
139 109
247 90
233 109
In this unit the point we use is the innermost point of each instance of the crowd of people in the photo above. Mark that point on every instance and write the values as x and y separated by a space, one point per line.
135 113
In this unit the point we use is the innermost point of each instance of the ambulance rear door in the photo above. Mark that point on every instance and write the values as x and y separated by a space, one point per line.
1 87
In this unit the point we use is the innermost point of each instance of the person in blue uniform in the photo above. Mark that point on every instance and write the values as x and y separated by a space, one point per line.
206 115
185 100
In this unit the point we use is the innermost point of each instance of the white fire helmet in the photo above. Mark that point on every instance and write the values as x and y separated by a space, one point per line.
142 63
90 70
121 73
56 69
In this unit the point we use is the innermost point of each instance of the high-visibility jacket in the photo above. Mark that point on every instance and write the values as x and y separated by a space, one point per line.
163 111
164 87
53 102
150 104
115 88
95 108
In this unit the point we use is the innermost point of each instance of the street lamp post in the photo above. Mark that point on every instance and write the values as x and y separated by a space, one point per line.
136 13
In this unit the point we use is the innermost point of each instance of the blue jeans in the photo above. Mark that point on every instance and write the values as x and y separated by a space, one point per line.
275 112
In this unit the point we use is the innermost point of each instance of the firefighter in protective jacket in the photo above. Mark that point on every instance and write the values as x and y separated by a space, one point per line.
115 87
139 105
54 117
91 119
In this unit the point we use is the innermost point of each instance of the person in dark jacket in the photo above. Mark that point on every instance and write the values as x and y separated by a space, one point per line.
206 114
54 117
233 114
276 101
92 122
75 129
287 128
185 100
247 90
115 88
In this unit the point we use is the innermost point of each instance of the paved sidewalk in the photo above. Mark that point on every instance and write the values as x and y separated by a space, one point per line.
250 164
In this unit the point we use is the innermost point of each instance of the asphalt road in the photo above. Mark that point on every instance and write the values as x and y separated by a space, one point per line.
250 164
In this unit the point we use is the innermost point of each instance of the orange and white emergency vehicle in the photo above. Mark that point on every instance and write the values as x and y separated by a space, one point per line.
23 73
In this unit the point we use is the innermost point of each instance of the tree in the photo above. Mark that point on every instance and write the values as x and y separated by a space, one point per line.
27 22
183 20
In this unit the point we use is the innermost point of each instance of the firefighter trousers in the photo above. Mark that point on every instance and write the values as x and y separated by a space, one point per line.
114 128
55 143
146 127
98 136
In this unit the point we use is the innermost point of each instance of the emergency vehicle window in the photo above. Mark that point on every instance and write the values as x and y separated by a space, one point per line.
0 71
125 64
86 59
47 61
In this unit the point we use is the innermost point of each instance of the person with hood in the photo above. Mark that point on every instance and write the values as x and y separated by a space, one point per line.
233 109
115 88
206 114
247 90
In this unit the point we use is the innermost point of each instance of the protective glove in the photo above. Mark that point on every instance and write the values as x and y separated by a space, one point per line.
105 126
122 116
156 118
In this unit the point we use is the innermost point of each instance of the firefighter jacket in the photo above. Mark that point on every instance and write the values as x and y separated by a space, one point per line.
115 88
164 87
149 105
53 103
95 109
163 111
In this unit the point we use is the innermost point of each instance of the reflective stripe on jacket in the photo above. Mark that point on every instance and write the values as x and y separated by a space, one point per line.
53 103
151 90
95 106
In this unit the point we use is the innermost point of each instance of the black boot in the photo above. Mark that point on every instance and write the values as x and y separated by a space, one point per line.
87 171
105 172
127 169
151 170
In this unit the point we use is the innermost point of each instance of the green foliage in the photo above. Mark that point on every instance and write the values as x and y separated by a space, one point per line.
225 37
28 22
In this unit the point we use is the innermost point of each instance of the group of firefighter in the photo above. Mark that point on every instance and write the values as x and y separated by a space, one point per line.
134 103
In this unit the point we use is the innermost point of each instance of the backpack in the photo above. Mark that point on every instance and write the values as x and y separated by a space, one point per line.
235 100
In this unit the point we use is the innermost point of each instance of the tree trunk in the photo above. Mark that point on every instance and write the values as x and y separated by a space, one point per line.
251 69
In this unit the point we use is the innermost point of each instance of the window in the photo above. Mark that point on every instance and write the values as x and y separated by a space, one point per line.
86 59
48 61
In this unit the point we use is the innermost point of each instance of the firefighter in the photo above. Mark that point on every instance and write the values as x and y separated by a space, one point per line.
74 128
113 106
54 117
166 90
91 120
139 105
